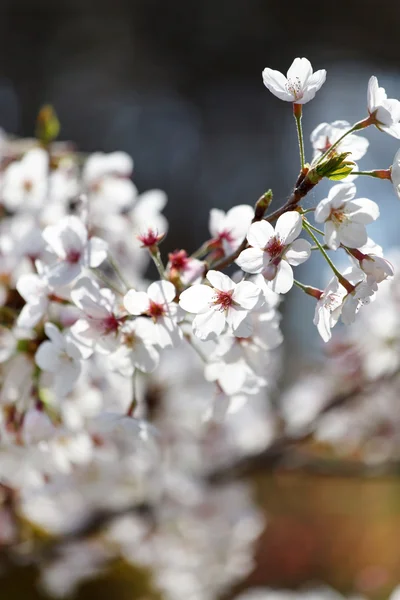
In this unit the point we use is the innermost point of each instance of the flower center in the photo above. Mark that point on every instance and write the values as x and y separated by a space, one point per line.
73 256
225 235
223 300
155 310
275 247
337 216
293 86
27 185
129 339
332 302
327 145
178 260
110 324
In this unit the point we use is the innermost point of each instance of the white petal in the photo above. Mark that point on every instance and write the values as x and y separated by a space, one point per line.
62 273
31 287
393 130
289 226
216 221
161 292
96 251
300 69
196 298
220 281
168 333
238 220
341 193
322 211
55 335
353 235
145 357
260 233
235 318
331 237
66 378
209 324
283 281
252 260
276 83
31 313
136 303
298 252
47 357
362 210
246 294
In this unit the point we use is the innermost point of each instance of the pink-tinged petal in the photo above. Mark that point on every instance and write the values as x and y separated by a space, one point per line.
145 357
300 70
196 299
298 252
216 221
235 318
247 295
322 211
331 237
276 83
220 281
352 234
47 357
252 260
341 193
362 210
136 303
161 292
260 233
96 252
283 281
288 226
209 324
32 313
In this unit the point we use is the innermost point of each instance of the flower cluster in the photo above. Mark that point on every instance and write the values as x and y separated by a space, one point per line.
117 393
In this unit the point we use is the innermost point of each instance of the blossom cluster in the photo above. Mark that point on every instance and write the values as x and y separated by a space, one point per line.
117 392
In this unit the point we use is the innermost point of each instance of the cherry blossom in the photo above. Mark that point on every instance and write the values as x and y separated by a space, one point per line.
157 304
299 86
100 324
326 134
376 268
345 217
72 249
189 270
26 181
35 290
384 111
137 349
229 229
60 356
272 251
223 303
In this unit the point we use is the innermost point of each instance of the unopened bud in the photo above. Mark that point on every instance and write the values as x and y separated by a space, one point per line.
262 205
336 167
47 124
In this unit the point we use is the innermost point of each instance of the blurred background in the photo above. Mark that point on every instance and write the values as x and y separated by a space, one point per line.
178 85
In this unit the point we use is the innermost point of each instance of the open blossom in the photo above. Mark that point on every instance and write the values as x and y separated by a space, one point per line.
229 229
384 110
99 326
272 251
73 250
299 86
224 303
395 173
326 134
345 218
137 349
60 356
337 302
35 290
158 304
26 181
376 267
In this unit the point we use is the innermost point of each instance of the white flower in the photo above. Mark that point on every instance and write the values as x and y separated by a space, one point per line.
73 250
376 268
137 350
344 217
395 173
146 213
384 110
272 250
99 327
35 290
228 230
61 357
158 304
26 181
224 303
326 134
300 85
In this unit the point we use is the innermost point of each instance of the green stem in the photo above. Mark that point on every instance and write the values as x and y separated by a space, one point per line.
118 272
308 289
155 255
200 252
315 229
297 113
107 281
346 284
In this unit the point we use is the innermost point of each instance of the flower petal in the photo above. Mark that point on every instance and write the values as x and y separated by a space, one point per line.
136 303
196 299
220 281
283 281
247 295
276 83
161 292
252 260
288 226
260 233
209 324
298 252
